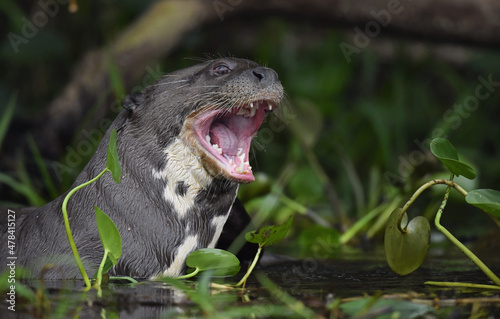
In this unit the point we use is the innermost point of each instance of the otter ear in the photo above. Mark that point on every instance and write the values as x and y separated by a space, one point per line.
133 100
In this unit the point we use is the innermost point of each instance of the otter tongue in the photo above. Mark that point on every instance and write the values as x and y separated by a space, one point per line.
224 138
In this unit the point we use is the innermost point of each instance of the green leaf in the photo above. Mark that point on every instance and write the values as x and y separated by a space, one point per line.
486 199
405 252
270 235
441 147
112 161
225 263
447 154
110 236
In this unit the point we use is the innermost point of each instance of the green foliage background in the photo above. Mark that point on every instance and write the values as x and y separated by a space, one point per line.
358 131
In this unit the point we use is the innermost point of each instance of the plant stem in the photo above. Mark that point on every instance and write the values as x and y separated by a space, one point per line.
460 284
98 281
461 246
68 229
422 188
132 280
192 274
99 271
250 269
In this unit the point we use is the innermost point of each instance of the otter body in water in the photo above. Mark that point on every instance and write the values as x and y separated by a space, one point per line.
183 144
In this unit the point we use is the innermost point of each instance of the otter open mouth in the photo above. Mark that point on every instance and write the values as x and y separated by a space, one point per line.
226 136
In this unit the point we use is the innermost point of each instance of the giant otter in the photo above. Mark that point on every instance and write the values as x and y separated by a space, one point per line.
183 145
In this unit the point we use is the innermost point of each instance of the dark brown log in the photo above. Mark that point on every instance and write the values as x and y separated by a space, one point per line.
162 27
461 21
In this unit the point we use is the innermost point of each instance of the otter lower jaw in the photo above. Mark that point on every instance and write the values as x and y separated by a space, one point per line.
222 138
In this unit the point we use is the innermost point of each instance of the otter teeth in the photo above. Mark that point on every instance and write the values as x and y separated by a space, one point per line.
270 107
217 148
244 166
241 157
240 169
248 111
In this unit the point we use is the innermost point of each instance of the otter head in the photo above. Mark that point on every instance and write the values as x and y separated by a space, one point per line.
215 108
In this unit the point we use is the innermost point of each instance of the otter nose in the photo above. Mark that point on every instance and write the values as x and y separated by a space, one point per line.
265 76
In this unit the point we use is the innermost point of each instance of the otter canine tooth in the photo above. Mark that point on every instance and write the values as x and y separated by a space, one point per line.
270 107
252 113
251 104
207 138
240 169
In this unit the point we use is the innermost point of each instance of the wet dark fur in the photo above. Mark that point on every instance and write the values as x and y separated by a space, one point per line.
149 228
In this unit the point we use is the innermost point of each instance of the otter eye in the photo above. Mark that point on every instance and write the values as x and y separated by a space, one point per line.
221 69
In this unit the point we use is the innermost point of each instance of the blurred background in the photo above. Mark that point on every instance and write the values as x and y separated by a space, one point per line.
368 85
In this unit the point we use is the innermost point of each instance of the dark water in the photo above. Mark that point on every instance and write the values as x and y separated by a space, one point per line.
310 281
